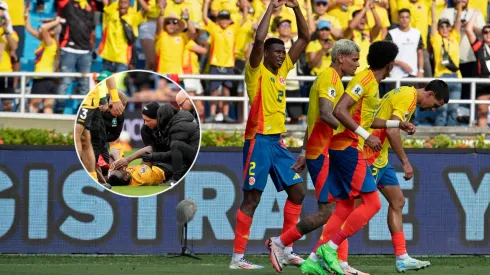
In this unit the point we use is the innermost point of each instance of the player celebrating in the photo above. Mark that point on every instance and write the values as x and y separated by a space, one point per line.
90 106
399 105
349 176
324 93
264 151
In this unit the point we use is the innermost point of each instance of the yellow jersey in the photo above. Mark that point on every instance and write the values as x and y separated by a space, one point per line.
144 175
451 45
92 100
114 45
222 49
191 59
16 12
334 22
267 95
170 52
313 47
383 16
327 85
399 102
176 9
6 62
45 56
364 89
244 37
345 16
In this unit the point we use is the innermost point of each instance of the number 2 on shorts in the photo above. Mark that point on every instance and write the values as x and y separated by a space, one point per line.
252 167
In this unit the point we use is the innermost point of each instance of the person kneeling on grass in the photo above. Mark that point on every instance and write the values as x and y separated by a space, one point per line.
145 174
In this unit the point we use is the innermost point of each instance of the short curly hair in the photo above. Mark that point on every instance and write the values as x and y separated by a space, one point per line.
381 53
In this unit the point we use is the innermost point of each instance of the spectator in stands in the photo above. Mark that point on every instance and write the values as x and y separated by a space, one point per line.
481 48
320 14
223 36
358 32
8 44
191 66
410 59
480 5
445 40
380 6
45 62
185 103
420 20
318 50
342 10
171 43
76 43
118 37
185 9
467 60
148 29
17 10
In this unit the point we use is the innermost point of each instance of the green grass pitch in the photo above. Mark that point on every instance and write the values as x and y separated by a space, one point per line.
214 265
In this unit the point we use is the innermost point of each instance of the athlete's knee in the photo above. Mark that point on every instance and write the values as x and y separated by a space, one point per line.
250 202
375 201
397 203
296 194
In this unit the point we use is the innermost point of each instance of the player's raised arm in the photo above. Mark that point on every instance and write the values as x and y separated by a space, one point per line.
117 105
261 34
299 45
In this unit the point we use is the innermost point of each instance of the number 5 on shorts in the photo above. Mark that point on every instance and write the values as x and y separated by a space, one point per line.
83 113
252 167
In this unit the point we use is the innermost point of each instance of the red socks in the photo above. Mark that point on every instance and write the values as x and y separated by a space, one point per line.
359 217
398 240
291 218
242 230
342 211
343 251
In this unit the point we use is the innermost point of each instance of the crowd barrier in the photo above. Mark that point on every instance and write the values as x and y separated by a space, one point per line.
51 206
398 82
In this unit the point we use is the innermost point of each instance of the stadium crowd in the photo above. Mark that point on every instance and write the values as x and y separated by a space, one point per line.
438 38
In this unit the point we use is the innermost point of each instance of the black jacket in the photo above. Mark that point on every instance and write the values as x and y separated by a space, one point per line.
76 32
113 125
178 125
153 138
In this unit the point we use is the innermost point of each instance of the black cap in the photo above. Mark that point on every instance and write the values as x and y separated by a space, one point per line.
443 21
224 14
150 110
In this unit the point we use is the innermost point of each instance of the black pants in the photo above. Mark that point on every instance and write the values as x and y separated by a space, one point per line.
183 155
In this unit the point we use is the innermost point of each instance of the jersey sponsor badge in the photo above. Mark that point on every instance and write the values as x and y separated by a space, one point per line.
296 176
331 92
357 90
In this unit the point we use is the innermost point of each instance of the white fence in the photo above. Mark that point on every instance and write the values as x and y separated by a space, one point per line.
398 81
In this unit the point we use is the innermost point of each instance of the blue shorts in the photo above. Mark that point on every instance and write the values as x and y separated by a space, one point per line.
215 84
384 176
318 169
349 174
267 155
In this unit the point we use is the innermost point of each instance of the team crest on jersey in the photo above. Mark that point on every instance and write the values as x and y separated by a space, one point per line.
177 39
357 90
114 122
331 92
228 33
251 181
282 80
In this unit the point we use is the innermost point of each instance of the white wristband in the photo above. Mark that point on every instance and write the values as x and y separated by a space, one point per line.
303 152
362 133
392 124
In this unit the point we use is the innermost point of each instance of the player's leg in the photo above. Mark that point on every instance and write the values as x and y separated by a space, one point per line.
286 179
256 166
182 153
358 181
390 188
88 156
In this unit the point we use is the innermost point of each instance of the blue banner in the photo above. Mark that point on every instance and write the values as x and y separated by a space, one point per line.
50 205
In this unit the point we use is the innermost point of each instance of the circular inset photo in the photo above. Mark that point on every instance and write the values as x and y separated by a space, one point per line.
137 133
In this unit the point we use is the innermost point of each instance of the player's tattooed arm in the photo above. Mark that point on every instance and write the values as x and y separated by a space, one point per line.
326 109
395 140
261 34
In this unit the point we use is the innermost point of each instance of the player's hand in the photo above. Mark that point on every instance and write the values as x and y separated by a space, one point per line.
117 108
374 142
299 165
147 157
420 75
291 3
104 107
408 170
120 163
407 127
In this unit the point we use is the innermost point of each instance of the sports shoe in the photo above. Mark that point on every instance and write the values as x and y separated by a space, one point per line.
292 259
349 270
329 255
276 254
106 185
244 264
410 264
311 267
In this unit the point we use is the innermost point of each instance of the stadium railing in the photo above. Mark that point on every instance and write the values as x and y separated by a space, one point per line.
398 81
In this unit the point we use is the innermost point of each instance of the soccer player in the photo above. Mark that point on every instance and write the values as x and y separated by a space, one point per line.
146 174
90 106
349 175
324 93
399 105
264 152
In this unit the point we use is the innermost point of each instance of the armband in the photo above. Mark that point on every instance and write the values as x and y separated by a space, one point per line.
114 95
